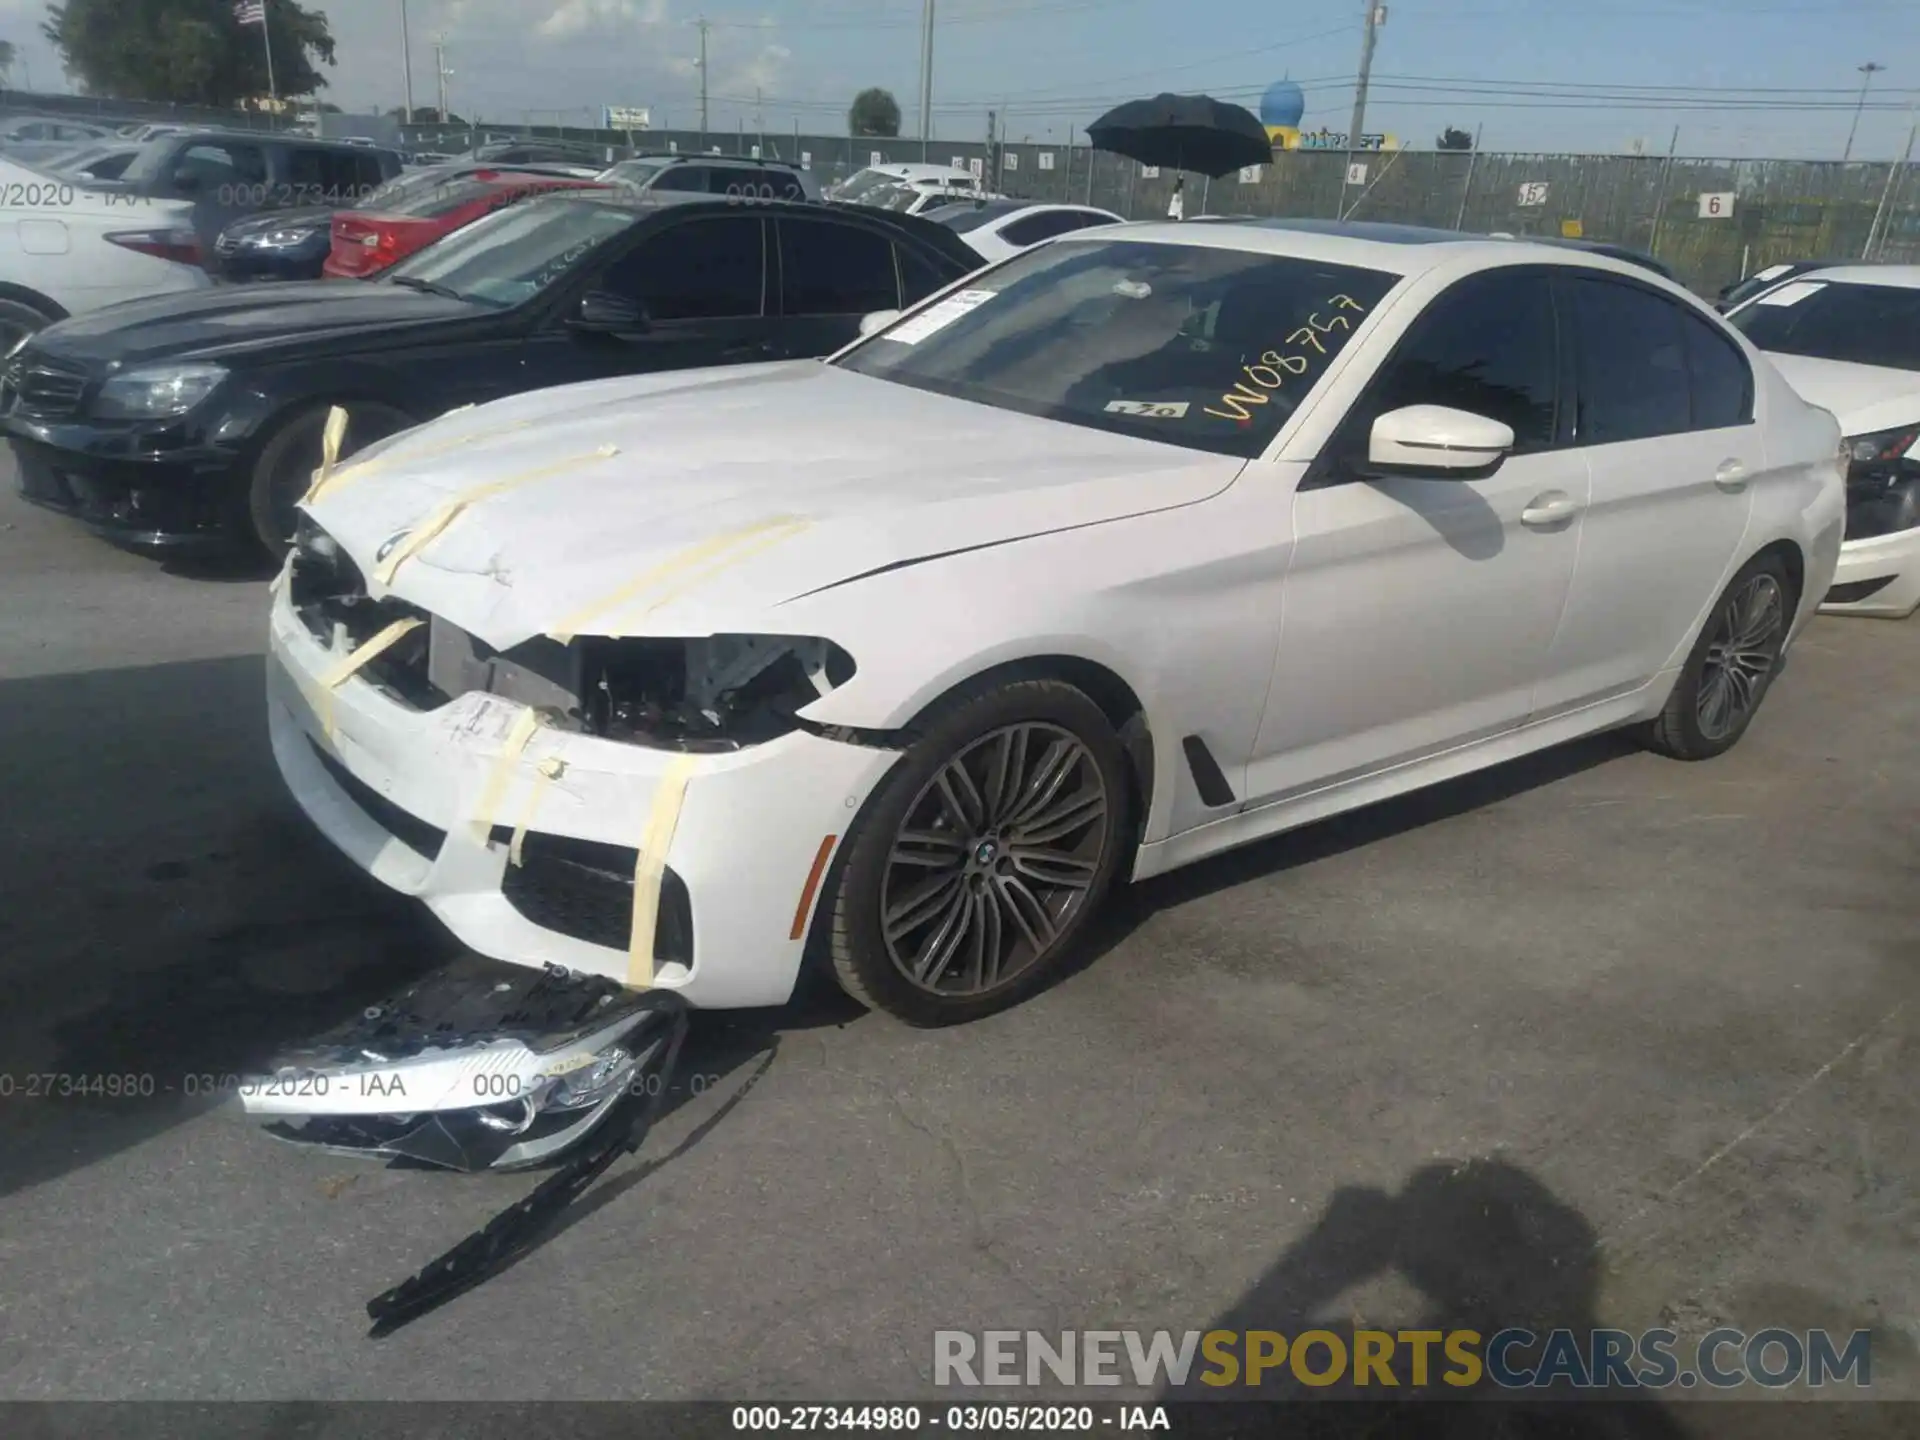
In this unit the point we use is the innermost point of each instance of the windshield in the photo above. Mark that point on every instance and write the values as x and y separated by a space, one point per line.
514 254
408 188
1206 348
635 173
973 217
1827 320
866 180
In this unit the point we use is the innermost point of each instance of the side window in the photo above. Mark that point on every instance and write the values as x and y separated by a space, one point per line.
215 165
918 276
683 177
1632 363
1034 228
1485 346
778 185
700 270
828 268
1722 379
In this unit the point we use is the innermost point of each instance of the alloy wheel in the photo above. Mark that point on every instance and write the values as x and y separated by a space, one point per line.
1747 635
993 860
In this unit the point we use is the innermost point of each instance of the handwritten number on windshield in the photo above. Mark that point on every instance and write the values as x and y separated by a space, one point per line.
1268 376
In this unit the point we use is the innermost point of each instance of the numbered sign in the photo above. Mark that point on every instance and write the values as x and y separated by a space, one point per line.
806 159
1356 174
873 158
1572 230
1534 192
1717 206
1046 159
756 152
1149 172
977 166
1010 160
959 162
1249 174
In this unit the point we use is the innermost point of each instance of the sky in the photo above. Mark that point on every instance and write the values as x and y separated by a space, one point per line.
1762 78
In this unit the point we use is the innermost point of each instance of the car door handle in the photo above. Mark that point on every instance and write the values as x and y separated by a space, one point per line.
1549 510
1731 477
752 350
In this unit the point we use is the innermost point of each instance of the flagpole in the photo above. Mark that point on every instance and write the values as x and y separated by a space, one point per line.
266 39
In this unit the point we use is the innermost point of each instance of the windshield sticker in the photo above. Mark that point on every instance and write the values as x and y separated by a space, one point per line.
1133 289
1153 409
1270 374
1791 294
1773 272
937 317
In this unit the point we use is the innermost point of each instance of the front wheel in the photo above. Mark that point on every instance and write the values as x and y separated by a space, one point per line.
283 473
1731 666
978 863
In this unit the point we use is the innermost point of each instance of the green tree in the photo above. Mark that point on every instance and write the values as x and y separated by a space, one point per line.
1453 138
874 112
190 52
422 115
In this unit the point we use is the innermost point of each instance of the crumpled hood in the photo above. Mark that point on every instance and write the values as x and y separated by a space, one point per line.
697 502
1864 398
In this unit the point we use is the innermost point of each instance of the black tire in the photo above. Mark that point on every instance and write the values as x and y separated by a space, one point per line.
283 471
18 320
997 892
1755 610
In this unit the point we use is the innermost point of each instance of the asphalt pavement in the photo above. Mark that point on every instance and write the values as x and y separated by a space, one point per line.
1607 1039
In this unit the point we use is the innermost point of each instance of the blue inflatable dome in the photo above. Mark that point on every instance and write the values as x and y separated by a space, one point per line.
1282 106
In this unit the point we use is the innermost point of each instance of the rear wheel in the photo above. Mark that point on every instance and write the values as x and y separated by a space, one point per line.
283 473
1731 666
982 857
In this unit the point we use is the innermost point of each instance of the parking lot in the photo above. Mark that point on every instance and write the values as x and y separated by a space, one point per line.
1614 1040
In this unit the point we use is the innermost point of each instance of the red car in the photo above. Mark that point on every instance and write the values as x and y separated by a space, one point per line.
423 209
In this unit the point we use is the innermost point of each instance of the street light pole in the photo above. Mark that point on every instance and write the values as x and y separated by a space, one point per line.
1867 72
406 58
926 78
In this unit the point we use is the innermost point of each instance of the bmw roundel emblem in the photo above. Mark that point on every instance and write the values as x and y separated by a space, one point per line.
389 546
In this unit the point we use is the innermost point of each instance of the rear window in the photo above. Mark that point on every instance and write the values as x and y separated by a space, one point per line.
442 198
1828 320
971 218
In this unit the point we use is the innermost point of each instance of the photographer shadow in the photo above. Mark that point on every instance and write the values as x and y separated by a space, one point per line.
1489 1248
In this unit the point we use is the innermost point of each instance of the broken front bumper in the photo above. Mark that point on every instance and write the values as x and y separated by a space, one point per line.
430 801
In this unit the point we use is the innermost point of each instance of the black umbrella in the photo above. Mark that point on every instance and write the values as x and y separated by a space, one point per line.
1184 132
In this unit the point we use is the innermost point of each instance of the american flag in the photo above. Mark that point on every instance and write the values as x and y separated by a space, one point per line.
250 12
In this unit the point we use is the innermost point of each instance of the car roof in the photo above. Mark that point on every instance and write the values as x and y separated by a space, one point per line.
642 204
744 161
1405 250
1904 277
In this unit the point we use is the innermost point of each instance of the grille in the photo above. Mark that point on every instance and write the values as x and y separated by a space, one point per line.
585 889
41 390
410 830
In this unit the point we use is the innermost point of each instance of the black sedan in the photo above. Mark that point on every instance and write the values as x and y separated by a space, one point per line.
194 421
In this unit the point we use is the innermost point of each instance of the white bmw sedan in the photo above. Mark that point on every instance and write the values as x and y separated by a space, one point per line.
1848 339
1129 550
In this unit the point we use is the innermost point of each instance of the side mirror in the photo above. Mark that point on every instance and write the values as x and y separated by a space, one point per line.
876 321
604 312
187 182
1439 441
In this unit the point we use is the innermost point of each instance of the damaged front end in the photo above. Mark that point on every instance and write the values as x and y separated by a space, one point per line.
480 1067
705 693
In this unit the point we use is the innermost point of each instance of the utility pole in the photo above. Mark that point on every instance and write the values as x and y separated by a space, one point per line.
759 121
926 78
1867 72
1376 17
703 24
442 72
406 58
1883 209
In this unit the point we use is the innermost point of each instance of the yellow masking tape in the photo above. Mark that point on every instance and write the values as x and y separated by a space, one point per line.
647 874
545 773
406 455
527 722
717 554
372 650
330 439
451 510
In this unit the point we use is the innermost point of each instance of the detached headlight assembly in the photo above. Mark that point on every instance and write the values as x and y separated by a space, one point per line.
157 392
